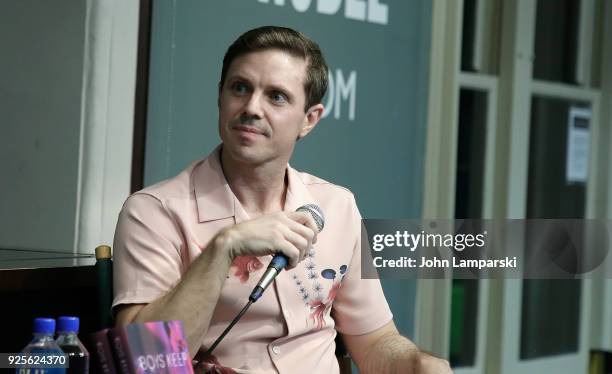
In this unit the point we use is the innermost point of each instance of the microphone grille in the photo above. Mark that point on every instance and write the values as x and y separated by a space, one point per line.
316 213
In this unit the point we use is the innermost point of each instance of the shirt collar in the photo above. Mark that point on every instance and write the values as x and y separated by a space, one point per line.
297 192
215 199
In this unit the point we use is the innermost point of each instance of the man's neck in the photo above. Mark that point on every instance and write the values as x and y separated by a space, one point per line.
260 189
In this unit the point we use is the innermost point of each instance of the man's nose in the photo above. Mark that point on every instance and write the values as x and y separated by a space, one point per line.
253 106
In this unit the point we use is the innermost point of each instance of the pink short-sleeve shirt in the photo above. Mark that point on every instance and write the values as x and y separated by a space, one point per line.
291 329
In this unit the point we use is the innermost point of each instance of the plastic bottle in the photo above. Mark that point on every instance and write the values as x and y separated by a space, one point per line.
44 329
67 339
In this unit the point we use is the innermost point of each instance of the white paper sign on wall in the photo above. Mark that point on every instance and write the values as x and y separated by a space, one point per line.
578 145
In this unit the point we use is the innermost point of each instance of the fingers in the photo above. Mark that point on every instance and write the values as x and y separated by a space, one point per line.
289 251
299 237
306 235
291 234
305 221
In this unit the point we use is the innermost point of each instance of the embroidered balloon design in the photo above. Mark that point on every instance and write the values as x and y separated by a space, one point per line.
328 274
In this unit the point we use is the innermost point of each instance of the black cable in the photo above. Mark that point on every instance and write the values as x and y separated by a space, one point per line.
212 347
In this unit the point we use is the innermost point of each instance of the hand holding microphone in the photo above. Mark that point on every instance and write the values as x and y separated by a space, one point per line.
280 261
286 235
289 233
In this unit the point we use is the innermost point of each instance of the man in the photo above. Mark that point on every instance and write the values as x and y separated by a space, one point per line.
191 248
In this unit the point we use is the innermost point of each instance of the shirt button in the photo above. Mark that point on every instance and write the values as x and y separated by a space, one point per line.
276 349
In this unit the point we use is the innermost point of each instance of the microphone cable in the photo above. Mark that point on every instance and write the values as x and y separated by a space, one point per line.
228 328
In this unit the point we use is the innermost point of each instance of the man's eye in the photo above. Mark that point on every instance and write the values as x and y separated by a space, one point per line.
239 87
278 97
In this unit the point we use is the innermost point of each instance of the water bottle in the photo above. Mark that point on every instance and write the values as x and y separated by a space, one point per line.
78 357
42 344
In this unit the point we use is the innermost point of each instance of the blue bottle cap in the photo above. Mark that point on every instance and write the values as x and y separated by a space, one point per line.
44 326
68 324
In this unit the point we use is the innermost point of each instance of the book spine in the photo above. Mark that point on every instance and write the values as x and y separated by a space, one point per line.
103 352
119 342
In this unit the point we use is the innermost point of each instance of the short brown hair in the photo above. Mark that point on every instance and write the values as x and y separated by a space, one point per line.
287 40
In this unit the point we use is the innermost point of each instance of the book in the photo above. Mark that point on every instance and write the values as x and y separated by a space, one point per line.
102 354
151 348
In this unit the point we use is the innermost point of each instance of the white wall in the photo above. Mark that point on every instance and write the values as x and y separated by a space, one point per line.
40 109
67 82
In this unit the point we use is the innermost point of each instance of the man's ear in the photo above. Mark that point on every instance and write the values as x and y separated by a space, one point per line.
220 87
313 115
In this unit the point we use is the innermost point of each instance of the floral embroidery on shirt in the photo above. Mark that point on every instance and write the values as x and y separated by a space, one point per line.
317 305
317 314
331 296
244 265
319 308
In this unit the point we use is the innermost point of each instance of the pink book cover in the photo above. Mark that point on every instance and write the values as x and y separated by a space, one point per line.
152 348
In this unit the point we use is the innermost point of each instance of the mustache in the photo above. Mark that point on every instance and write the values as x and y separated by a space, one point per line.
249 123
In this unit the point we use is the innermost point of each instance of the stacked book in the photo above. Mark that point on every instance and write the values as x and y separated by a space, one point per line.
142 348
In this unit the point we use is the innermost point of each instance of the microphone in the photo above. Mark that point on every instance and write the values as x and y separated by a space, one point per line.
279 261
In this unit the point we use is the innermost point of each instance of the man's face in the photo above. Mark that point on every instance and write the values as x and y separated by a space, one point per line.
261 107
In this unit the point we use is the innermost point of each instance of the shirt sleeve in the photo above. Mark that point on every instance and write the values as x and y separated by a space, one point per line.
360 306
146 260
